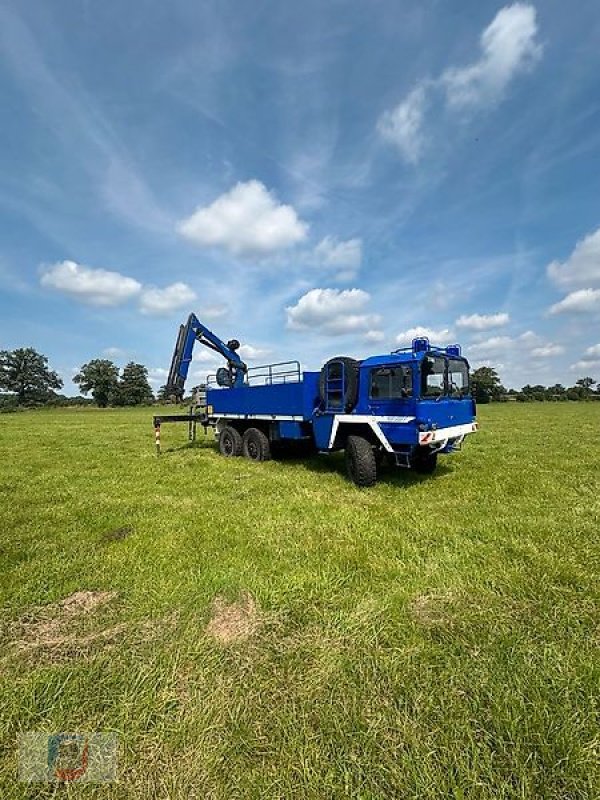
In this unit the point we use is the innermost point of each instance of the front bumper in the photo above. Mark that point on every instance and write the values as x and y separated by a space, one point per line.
440 435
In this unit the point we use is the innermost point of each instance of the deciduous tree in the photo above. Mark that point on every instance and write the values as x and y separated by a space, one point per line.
134 388
486 384
26 372
100 377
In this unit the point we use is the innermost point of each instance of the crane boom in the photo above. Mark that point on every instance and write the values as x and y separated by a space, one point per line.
194 331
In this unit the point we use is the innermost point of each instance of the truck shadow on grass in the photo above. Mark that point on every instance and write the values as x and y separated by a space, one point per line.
388 474
328 464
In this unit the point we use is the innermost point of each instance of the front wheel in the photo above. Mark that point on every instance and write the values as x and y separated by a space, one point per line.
360 462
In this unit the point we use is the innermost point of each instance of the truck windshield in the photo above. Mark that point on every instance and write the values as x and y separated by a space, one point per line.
458 378
390 383
433 371
444 376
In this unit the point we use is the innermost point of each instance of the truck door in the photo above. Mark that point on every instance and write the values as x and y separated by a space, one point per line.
460 403
444 391
391 390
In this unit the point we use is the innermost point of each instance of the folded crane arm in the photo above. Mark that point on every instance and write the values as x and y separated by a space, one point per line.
194 331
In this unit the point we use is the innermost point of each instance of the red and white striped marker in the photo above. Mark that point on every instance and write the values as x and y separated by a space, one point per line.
157 438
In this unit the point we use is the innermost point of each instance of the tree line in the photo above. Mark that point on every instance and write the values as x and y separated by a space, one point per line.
26 376
487 387
27 380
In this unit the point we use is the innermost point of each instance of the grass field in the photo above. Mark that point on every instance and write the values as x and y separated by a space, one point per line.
270 631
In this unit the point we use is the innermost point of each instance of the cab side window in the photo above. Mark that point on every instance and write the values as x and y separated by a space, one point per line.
390 383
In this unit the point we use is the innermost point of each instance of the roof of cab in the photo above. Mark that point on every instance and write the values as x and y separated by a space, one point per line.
391 358
405 357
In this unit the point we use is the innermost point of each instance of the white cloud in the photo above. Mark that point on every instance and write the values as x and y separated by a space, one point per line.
582 267
204 355
165 301
332 311
112 352
402 125
374 336
250 353
246 221
590 360
213 312
508 47
580 302
530 339
495 344
343 255
585 365
526 344
158 375
482 322
98 287
436 337
548 350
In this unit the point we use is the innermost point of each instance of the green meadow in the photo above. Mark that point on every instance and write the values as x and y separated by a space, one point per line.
267 630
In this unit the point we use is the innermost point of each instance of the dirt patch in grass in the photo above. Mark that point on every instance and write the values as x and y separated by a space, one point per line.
117 534
79 625
85 601
234 622
53 626
432 609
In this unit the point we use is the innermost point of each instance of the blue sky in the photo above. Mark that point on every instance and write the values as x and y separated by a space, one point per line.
315 179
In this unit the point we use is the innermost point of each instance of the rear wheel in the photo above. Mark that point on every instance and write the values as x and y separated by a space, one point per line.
424 461
360 461
230 442
256 445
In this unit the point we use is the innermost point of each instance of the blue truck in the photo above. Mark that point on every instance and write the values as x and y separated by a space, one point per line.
406 407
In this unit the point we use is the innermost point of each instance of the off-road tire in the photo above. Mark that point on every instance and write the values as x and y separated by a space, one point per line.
361 464
256 445
230 442
424 461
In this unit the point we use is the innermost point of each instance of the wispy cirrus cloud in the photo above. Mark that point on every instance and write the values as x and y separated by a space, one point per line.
74 120
402 126
343 256
508 47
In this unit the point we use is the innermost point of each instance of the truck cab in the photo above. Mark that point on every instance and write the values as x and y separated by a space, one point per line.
411 405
